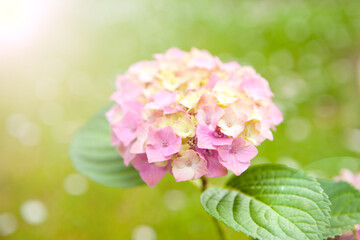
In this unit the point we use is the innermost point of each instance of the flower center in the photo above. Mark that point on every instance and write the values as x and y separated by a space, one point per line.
192 142
218 133
188 163
233 150
165 144
229 124
208 152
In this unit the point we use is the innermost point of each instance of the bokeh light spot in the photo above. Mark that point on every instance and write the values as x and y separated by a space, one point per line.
352 140
33 212
8 224
75 184
13 123
297 129
174 200
29 134
144 232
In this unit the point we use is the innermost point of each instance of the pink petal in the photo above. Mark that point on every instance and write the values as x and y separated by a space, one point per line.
173 148
214 78
230 66
141 138
125 154
183 174
166 134
126 129
133 106
165 98
115 141
201 59
189 167
215 169
127 90
137 147
275 114
204 137
171 60
207 99
256 87
125 135
171 54
207 140
114 114
145 71
236 118
156 154
172 109
149 173
209 115
163 143
165 101
237 156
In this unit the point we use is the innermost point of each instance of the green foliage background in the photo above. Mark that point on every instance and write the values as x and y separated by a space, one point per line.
308 50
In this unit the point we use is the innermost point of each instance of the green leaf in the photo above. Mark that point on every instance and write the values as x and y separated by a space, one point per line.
345 206
271 202
95 157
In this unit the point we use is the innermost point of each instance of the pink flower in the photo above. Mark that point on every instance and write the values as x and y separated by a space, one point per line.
211 139
215 169
127 90
145 71
171 59
230 66
165 101
232 123
207 99
141 138
214 78
125 153
256 132
125 131
256 86
114 115
115 141
189 166
209 115
236 157
201 59
149 172
275 114
163 144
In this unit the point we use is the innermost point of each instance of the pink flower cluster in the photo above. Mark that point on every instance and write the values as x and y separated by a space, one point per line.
347 176
191 115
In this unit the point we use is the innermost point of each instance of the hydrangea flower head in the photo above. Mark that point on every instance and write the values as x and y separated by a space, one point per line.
190 115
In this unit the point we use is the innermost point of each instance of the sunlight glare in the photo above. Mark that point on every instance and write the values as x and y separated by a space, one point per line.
20 19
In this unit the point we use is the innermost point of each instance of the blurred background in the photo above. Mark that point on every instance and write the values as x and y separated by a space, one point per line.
58 63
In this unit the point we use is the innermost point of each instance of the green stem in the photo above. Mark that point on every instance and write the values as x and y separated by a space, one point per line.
204 186
354 232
